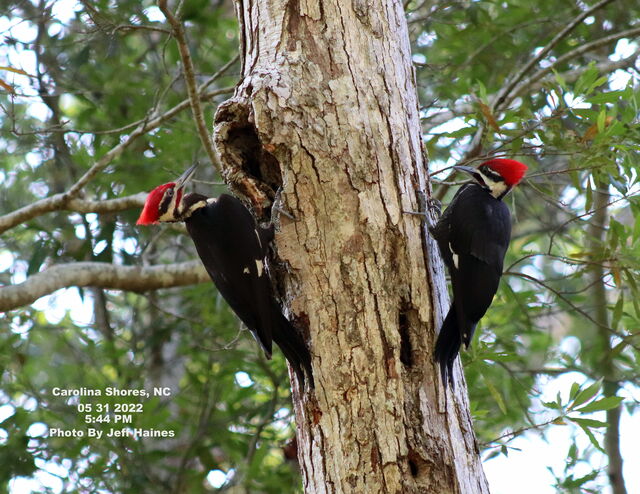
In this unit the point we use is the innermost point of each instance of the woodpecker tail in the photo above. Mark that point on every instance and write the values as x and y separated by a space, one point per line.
287 337
449 342
448 345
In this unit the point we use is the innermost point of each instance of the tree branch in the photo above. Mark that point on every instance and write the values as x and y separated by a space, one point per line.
107 206
629 33
534 83
537 81
61 201
190 79
103 275
506 90
596 235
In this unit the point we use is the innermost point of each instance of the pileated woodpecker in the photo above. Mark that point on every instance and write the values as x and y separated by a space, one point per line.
232 248
473 236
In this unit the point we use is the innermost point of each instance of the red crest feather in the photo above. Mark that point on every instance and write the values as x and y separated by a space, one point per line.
511 170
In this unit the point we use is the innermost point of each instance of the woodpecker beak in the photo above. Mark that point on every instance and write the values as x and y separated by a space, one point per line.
475 174
467 169
185 177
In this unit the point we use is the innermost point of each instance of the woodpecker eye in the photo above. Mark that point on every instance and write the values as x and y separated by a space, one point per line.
169 192
492 175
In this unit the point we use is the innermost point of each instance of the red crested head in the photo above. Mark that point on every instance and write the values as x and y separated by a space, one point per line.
151 210
164 203
511 171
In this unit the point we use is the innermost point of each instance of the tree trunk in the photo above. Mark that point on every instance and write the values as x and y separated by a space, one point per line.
327 113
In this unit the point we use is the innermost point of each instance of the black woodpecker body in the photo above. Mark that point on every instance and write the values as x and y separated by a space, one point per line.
473 236
232 248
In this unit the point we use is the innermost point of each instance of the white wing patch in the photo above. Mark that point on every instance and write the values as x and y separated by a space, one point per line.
258 235
260 267
454 256
245 270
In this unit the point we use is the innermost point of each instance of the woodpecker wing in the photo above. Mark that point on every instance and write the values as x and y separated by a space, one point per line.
473 235
232 248
477 224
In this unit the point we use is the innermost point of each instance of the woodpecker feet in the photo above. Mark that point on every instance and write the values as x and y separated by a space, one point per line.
434 206
277 210
429 207
284 212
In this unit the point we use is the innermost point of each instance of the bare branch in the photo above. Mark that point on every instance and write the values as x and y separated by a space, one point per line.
107 206
629 33
37 208
532 84
60 201
218 74
535 82
103 275
62 128
190 79
110 155
506 90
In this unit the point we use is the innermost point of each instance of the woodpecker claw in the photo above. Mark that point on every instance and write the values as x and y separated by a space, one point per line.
434 206
277 206
428 208
284 212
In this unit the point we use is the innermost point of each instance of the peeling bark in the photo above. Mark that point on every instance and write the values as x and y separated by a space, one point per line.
328 112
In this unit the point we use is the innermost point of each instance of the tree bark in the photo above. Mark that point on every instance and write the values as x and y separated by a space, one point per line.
326 114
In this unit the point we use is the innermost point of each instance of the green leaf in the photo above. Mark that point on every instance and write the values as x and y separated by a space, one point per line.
602 120
40 253
586 394
587 78
496 394
606 97
552 405
588 196
575 387
620 187
592 438
630 277
573 452
588 422
598 82
560 80
617 311
604 404
465 131
482 90
617 350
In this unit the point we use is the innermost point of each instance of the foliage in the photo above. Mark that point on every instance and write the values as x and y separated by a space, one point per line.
573 118
76 79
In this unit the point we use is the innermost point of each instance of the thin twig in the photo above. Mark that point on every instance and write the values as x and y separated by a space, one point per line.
506 90
180 106
517 432
561 297
60 201
593 45
190 79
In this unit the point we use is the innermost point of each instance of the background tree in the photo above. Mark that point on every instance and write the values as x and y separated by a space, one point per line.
105 102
